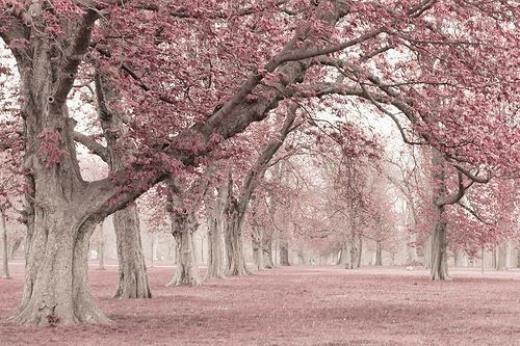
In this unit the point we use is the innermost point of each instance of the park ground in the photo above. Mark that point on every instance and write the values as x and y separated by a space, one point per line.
293 306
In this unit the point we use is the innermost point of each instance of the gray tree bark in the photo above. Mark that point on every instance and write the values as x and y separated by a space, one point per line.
237 264
183 227
284 252
133 280
267 250
379 253
439 270
215 211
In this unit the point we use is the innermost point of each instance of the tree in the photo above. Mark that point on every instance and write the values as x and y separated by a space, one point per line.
181 107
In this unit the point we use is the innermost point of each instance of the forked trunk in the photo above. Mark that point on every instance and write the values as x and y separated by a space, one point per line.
439 269
56 290
5 255
183 226
284 252
186 273
133 281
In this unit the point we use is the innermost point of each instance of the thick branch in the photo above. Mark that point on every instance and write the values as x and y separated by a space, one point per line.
74 56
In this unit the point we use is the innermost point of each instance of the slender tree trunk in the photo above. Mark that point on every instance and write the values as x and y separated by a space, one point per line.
284 252
501 256
460 258
101 248
494 257
344 255
482 263
186 273
257 238
360 252
411 250
353 255
133 281
171 250
5 255
267 251
427 252
16 246
439 241
379 253
439 270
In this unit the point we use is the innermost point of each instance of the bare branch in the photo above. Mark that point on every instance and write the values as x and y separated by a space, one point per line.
92 145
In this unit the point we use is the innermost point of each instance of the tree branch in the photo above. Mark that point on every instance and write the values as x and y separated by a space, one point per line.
92 145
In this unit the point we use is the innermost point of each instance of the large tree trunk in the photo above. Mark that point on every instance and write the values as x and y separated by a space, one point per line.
284 252
186 273
63 209
236 261
56 290
217 263
439 269
216 210
379 253
183 227
5 255
133 281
